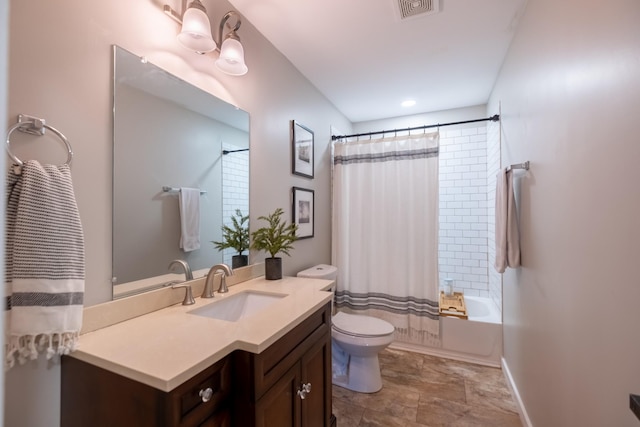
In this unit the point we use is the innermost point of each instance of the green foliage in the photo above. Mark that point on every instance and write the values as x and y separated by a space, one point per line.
277 237
236 236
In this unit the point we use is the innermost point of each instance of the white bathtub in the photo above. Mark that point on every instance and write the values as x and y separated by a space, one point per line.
482 310
477 340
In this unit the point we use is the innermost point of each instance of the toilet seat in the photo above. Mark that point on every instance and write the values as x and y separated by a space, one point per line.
359 325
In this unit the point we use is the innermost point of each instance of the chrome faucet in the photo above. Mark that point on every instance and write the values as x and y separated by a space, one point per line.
188 275
208 284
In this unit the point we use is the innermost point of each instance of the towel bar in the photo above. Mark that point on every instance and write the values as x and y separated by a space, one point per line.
167 189
524 165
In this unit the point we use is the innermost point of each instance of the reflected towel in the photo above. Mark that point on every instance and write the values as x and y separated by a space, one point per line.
507 233
189 200
45 270
339 362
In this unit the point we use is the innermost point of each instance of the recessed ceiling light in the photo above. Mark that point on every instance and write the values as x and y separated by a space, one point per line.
408 103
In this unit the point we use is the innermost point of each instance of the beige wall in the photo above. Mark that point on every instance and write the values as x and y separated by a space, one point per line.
412 120
4 42
570 97
60 69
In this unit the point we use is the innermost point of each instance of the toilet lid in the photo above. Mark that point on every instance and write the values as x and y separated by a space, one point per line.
361 325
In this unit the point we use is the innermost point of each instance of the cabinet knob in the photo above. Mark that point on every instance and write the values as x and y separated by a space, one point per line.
304 390
206 394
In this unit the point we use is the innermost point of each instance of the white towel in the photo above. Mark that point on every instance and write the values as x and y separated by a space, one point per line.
339 363
189 199
507 234
44 263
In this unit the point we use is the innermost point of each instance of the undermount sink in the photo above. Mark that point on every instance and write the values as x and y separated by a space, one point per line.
239 306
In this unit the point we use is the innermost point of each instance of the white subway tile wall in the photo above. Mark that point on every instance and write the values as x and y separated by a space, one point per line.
235 188
464 210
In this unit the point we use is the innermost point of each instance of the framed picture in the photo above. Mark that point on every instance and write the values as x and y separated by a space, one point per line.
303 211
301 150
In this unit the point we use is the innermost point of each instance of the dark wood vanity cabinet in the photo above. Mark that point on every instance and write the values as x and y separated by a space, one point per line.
92 396
288 384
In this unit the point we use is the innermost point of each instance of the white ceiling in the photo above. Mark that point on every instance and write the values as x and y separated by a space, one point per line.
366 61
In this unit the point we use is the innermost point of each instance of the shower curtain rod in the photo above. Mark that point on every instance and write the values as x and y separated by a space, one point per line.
225 152
493 118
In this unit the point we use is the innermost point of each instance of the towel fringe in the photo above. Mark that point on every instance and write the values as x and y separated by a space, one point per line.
416 336
27 347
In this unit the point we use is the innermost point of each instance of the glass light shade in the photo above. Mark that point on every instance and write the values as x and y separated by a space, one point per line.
231 59
196 31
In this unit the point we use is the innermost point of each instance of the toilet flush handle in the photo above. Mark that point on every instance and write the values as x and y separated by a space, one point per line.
304 390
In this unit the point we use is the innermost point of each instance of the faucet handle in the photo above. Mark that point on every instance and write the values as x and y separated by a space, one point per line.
188 295
223 285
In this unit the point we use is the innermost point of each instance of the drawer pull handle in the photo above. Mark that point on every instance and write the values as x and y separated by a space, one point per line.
304 390
206 394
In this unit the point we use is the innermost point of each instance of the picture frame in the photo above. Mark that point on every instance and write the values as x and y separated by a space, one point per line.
302 145
303 211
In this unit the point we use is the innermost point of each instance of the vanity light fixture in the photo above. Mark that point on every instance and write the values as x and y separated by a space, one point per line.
196 29
231 60
196 36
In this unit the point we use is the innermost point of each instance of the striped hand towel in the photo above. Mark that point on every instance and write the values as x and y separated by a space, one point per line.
44 263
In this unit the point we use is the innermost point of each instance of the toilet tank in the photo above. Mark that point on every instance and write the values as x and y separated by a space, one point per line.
320 271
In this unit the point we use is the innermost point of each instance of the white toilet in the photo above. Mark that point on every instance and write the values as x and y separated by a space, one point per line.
356 341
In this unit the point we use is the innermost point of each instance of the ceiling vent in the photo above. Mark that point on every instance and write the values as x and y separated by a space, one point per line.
413 8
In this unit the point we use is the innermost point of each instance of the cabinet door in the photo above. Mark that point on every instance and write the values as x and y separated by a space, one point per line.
316 372
219 419
280 406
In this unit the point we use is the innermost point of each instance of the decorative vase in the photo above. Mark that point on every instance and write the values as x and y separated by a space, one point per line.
273 268
239 261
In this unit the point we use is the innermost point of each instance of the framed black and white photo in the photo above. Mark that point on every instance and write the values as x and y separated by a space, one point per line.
301 150
303 211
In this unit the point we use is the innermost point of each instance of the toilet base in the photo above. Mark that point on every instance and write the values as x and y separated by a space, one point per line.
364 375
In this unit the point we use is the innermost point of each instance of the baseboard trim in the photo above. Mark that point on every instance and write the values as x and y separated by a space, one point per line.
438 352
524 417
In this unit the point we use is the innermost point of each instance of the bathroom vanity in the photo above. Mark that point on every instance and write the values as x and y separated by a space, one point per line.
272 368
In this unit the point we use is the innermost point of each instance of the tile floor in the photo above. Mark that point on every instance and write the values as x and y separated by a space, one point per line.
420 390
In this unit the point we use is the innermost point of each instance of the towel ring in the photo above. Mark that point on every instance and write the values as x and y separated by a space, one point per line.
27 124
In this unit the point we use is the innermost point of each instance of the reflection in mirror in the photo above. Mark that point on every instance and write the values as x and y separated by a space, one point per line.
168 133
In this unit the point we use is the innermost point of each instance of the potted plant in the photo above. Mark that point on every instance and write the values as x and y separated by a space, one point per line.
236 237
275 238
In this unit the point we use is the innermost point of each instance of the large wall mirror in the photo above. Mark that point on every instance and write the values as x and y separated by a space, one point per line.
168 135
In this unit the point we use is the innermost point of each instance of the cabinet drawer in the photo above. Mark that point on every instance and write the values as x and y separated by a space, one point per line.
92 396
187 401
261 371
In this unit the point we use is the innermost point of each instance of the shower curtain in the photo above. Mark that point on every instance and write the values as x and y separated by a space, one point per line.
385 232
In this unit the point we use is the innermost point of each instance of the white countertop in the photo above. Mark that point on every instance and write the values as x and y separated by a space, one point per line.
165 348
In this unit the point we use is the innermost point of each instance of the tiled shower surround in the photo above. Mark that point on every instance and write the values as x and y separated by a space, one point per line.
469 161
